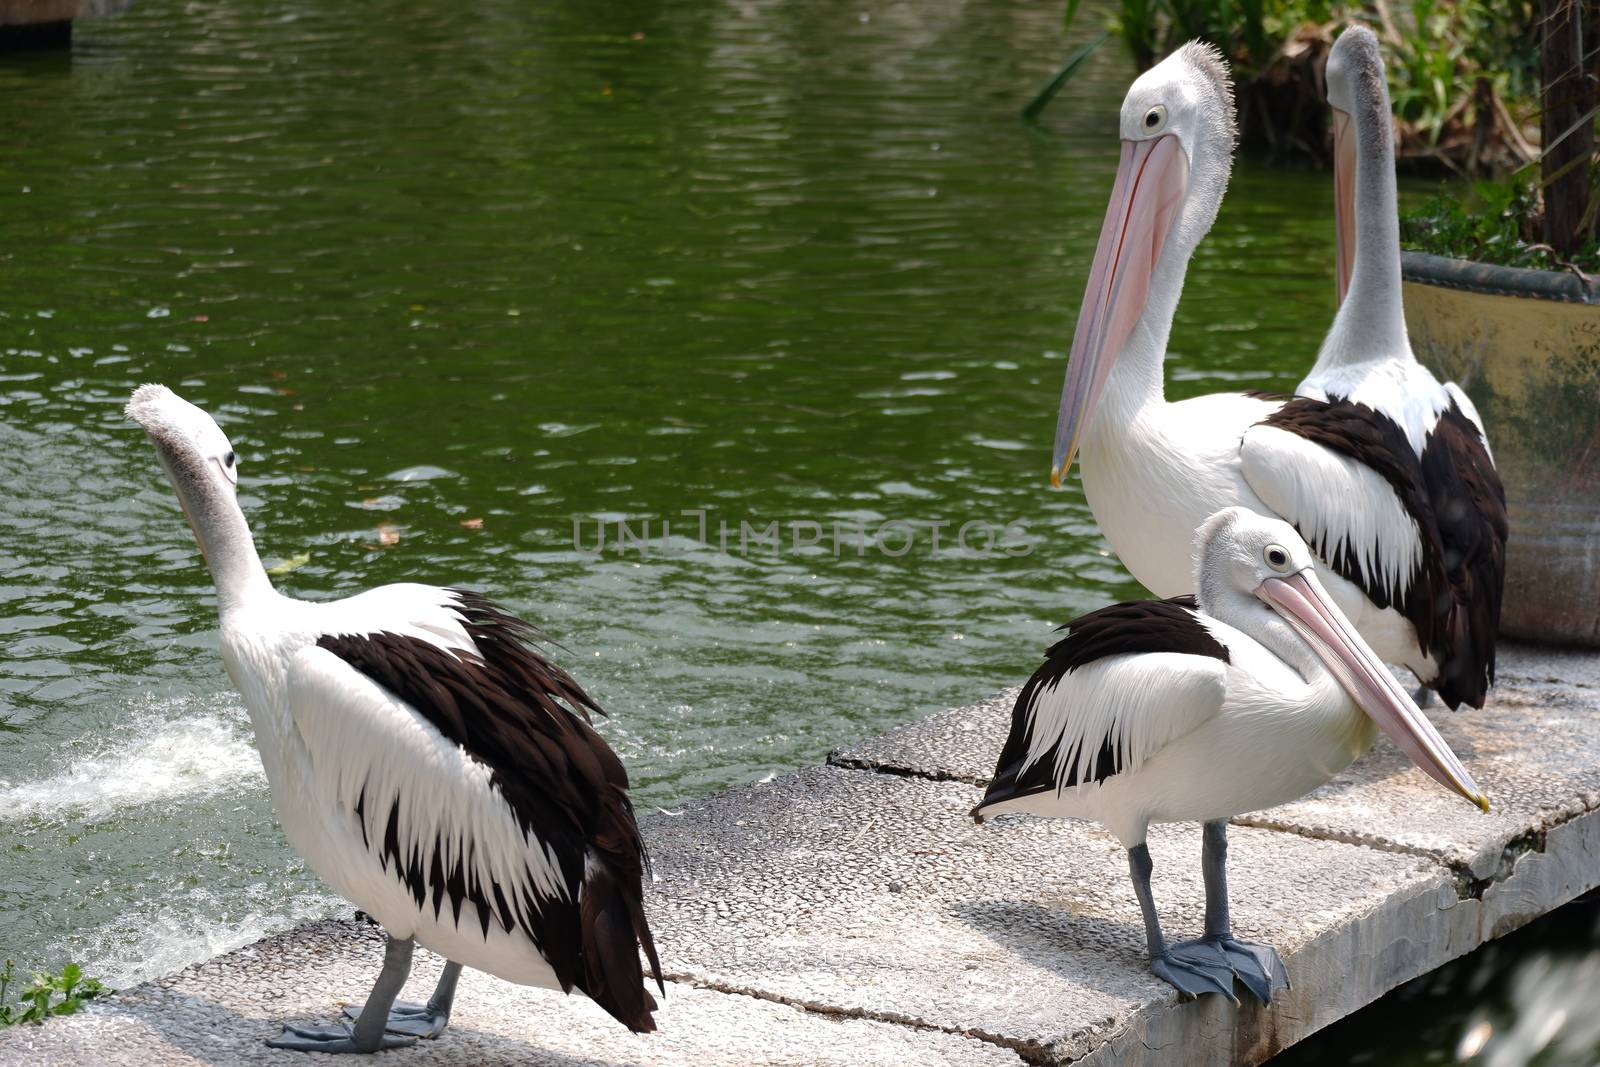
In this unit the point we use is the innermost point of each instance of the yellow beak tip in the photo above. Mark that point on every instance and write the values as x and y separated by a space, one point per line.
1056 474
1482 802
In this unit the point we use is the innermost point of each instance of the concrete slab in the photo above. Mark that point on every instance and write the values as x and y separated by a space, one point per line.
876 895
219 1012
958 745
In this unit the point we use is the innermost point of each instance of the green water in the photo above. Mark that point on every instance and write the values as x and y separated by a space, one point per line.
775 261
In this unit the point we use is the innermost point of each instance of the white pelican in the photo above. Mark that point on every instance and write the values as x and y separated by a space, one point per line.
1153 471
429 764
1251 694
1366 369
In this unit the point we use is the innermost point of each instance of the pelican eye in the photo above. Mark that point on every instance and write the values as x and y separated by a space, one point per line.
229 459
1277 557
1155 118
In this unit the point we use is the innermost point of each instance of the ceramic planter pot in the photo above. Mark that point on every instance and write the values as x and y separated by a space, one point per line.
1525 345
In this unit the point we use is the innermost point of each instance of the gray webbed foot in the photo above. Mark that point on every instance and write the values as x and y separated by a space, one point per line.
336 1038
415 1020
1257 966
1195 968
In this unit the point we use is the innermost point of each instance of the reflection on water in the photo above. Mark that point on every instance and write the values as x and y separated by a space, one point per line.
1530 999
454 283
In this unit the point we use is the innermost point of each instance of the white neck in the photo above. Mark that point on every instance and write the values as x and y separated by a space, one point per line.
1371 322
224 536
1138 379
1244 612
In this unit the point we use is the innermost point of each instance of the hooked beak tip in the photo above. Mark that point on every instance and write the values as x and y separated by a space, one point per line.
1056 474
1482 802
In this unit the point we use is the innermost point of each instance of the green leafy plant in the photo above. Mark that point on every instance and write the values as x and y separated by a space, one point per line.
1546 214
46 995
1042 98
1498 223
1458 69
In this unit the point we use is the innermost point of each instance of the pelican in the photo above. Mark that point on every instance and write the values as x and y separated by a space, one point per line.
1153 471
429 763
1366 369
1251 693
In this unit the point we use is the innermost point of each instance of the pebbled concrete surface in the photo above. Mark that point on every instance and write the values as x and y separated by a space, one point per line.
878 895
220 1012
853 914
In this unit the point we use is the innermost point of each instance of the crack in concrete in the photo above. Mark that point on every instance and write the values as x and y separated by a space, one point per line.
1256 822
850 763
1028 1052
1468 885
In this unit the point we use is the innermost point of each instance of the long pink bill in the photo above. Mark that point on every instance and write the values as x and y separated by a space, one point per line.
1151 181
1301 600
1344 197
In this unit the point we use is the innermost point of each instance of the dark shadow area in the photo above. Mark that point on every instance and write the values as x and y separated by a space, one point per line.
1085 949
36 36
1531 998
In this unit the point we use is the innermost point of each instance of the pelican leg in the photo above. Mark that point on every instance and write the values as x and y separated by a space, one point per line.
1193 968
368 1034
1257 966
422 1020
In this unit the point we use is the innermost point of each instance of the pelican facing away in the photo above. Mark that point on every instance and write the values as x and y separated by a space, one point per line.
1366 375
1250 694
429 763
1153 471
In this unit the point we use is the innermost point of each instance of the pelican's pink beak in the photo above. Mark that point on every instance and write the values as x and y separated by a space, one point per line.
1151 182
1301 600
1344 197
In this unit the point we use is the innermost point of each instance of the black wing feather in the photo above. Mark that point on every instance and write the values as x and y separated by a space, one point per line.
528 721
1470 505
1121 629
1454 496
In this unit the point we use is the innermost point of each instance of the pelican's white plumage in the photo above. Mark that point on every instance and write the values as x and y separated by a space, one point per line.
369 759
1247 697
1153 470
1124 710
428 762
1344 507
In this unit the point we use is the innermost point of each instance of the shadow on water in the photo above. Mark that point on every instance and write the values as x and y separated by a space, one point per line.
1529 999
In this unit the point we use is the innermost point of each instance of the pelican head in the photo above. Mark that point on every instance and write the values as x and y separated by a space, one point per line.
196 455
1177 151
1359 97
1243 553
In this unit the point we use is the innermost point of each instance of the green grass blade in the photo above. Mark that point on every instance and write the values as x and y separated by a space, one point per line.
1071 14
1068 69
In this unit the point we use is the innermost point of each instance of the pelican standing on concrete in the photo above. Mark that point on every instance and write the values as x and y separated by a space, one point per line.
1153 471
429 763
1251 694
1366 375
